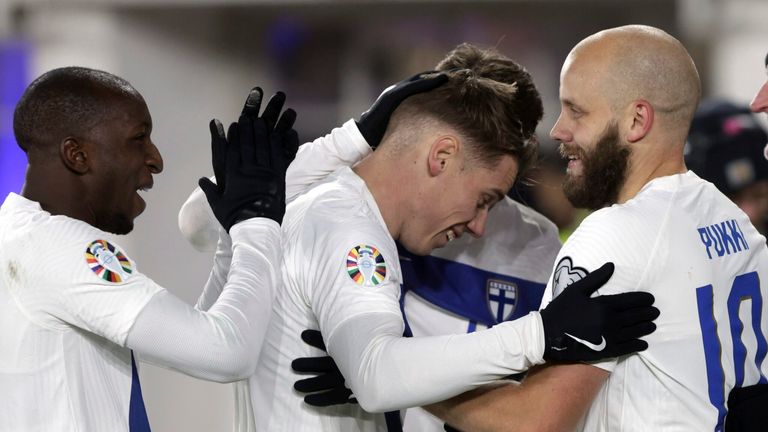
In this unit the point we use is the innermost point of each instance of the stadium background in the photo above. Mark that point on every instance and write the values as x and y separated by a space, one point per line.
196 59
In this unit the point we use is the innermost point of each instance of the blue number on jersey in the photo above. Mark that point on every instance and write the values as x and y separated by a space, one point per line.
745 287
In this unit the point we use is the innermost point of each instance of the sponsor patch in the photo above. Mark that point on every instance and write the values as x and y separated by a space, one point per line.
366 265
502 299
565 274
107 261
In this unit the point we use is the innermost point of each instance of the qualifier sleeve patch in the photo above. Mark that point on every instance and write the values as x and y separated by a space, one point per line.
565 274
366 265
107 261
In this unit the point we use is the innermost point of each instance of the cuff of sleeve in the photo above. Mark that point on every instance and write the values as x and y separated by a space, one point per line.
356 137
607 365
524 341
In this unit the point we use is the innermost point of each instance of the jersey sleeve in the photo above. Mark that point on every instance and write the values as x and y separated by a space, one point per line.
351 270
353 287
88 282
612 234
315 160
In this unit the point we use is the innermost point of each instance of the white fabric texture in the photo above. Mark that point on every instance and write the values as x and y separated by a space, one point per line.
519 242
362 324
69 301
222 342
655 241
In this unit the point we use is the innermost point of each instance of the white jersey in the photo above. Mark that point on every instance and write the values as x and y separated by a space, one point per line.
698 254
68 298
515 257
476 283
341 276
339 262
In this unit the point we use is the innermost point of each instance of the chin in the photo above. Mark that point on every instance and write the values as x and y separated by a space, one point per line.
420 250
116 224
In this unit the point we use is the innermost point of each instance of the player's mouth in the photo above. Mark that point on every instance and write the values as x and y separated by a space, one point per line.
573 155
141 190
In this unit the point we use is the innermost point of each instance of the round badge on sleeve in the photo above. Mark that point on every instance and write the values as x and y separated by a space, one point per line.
366 265
107 261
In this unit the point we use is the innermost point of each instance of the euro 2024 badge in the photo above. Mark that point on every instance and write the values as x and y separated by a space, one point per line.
366 265
107 261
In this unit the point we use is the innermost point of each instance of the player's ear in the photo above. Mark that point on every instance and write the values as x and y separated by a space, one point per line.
74 155
443 152
641 120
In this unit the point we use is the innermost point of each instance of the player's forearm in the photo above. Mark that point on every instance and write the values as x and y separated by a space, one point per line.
550 399
388 372
223 343
222 261
197 223
344 146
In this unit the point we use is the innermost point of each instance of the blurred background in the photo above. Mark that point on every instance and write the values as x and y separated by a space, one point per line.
196 59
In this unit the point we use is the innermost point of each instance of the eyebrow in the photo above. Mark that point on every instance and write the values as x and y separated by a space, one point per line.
569 103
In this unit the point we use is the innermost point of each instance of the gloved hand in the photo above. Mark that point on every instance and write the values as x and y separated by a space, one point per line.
746 409
327 387
250 163
580 328
373 123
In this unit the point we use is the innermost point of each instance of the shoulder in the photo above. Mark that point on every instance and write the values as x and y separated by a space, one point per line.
334 220
528 222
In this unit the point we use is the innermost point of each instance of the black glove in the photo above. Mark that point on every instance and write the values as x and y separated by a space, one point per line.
580 328
250 163
373 123
746 409
327 387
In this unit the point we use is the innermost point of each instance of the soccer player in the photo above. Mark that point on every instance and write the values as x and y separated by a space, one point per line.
470 284
627 96
73 305
725 147
454 151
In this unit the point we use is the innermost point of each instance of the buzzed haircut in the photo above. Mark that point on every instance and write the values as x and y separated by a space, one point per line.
64 102
490 99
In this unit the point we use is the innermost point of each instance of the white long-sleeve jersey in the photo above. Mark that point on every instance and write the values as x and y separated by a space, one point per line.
687 244
73 306
512 262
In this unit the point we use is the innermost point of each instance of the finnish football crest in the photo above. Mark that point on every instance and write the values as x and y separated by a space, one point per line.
107 261
366 265
502 299
565 274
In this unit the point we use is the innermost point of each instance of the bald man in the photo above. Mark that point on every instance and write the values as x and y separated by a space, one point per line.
627 96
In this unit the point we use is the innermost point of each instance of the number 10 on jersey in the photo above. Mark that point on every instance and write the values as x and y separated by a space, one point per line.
745 287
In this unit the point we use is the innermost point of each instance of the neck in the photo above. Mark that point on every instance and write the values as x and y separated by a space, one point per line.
645 167
56 194
378 171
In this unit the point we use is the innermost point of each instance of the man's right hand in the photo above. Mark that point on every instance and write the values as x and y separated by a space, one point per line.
578 327
250 162
373 123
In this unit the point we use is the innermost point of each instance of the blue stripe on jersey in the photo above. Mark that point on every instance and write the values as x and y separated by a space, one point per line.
712 349
468 291
137 414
